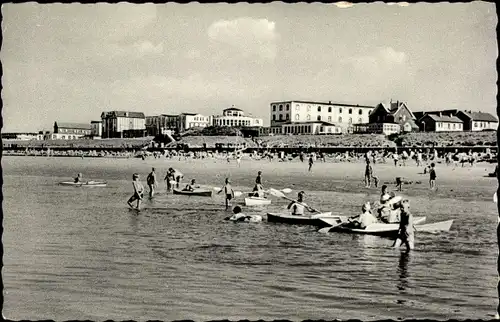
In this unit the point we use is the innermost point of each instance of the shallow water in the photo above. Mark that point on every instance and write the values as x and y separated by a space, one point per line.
79 253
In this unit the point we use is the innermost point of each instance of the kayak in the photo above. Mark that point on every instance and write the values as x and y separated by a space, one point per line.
391 230
257 201
248 218
313 220
334 221
195 192
84 184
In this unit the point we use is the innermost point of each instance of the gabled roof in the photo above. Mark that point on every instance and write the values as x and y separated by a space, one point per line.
138 115
190 114
480 116
443 118
63 125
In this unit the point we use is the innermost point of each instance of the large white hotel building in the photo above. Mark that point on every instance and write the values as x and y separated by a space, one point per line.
308 117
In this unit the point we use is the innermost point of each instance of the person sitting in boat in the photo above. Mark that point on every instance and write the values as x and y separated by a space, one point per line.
239 216
384 195
365 219
299 205
258 191
191 186
389 209
78 178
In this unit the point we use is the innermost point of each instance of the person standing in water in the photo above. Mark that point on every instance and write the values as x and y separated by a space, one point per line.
228 192
152 182
432 177
369 175
311 162
138 192
406 233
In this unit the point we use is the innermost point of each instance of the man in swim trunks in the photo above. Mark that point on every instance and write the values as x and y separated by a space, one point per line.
152 183
406 233
138 192
299 205
228 192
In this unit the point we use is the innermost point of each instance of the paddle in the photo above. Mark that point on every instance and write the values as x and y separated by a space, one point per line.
280 194
239 193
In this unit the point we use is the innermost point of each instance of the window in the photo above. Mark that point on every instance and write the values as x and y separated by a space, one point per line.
360 120
340 119
319 118
274 108
274 117
287 107
360 112
281 107
454 125
309 108
308 117
297 117
329 109
350 111
297 107
350 120
319 108
281 117
287 116
340 110
448 126
329 118
475 124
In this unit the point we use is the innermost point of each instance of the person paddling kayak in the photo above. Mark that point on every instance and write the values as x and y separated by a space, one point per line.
299 205
78 178
191 186
365 219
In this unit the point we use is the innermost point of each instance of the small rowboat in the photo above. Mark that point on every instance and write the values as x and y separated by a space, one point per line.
195 192
257 201
313 220
334 221
391 230
84 184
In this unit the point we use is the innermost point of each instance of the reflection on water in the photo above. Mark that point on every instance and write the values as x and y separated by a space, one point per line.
404 260
81 253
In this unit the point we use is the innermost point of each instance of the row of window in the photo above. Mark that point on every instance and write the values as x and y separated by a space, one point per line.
481 124
194 124
297 108
233 122
449 126
74 131
318 118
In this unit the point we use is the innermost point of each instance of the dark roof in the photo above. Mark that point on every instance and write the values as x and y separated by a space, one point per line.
311 122
138 115
191 114
84 126
232 109
324 103
95 121
444 118
170 115
481 116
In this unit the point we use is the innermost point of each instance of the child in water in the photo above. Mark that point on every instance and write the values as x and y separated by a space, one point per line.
432 177
228 192
138 192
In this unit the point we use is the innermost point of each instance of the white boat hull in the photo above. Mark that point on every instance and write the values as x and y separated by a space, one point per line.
257 201
84 184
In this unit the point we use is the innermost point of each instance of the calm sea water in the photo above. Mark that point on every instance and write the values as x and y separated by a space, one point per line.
75 253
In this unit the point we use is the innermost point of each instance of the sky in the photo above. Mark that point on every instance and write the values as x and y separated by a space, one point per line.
71 62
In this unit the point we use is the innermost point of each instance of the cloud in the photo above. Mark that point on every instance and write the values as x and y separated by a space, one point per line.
383 59
247 36
343 4
147 47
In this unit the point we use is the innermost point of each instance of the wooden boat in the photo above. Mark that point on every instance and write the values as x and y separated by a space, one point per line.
195 192
84 184
257 201
313 220
391 230
334 221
